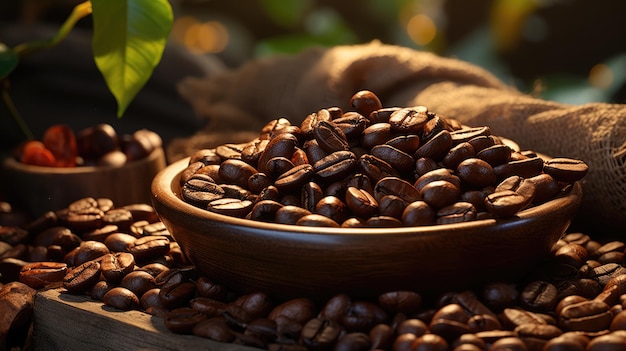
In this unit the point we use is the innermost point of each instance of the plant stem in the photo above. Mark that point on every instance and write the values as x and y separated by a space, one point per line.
28 134
80 11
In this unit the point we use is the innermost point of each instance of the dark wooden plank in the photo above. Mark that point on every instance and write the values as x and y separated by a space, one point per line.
69 322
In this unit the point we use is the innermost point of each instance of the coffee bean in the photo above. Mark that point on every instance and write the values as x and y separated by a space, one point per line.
565 169
39 274
83 277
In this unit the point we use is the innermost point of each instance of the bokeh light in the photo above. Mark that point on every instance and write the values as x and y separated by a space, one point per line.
601 76
200 37
421 29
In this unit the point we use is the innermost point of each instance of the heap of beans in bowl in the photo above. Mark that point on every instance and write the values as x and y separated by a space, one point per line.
374 166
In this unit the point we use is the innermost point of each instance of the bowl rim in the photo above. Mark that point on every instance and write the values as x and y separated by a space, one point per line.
166 192
10 163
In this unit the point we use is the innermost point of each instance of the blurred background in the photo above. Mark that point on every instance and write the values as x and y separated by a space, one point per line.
571 51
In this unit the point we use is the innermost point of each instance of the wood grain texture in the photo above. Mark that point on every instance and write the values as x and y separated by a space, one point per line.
69 322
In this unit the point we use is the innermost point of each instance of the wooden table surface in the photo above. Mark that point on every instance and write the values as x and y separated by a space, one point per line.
69 322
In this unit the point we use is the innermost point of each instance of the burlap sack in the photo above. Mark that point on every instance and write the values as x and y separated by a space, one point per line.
239 102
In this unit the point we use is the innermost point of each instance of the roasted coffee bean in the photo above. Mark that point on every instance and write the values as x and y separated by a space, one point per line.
199 191
588 316
495 155
383 222
265 210
450 322
310 195
89 250
607 342
229 151
230 207
613 290
436 147
381 115
535 336
119 242
337 165
525 168
235 171
376 134
149 247
278 165
398 187
505 203
457 154
310 121
183 320
283 145
392 206
375 168
467 134
476 173
432 342
512 343
353 342
205 156
142 212
100 289
115 266
456 213
121 299
539 296
409 120
565 343
313 151
407 143
138 282
440 193
365 102
332 207
361 203
83 277
176 295
398 159
606 272
437 174
320 333
418 213
352 124
212 328
361 316
566 170
295 177
330 137
39 274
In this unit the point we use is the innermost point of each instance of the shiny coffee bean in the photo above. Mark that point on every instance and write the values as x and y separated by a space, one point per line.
39 274
83 277
116 266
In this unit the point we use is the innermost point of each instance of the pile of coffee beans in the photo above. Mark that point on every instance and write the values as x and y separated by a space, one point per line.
126 258
373 167
97 145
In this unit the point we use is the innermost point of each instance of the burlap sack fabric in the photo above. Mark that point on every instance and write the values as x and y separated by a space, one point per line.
238 103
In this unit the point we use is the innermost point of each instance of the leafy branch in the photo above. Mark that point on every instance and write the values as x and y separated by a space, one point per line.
129 38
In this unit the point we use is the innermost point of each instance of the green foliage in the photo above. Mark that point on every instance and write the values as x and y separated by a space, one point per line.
129 37
8 60
128 42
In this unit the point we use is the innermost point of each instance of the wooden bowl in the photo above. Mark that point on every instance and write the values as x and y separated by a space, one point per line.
37 189
289 261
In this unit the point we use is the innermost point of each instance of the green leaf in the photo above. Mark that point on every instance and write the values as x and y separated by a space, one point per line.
128 42
8 60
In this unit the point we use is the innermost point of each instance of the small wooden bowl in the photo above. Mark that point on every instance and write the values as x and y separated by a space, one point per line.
37 189
289 261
